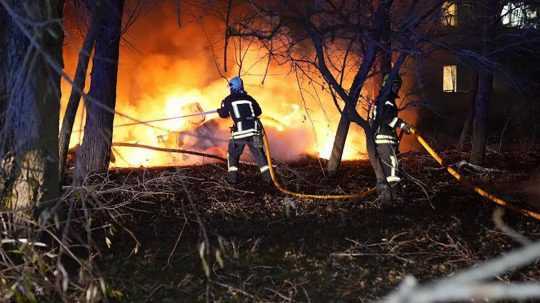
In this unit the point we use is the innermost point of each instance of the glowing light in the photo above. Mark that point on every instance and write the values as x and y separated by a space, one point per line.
172 79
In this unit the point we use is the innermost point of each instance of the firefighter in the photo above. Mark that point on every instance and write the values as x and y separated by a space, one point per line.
246 129
384 121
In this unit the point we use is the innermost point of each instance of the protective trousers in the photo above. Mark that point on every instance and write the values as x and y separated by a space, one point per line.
236 147
389 162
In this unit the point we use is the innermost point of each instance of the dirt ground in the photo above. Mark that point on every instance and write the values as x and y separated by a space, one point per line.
194 238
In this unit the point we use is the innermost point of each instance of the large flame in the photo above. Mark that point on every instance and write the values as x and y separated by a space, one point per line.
171 72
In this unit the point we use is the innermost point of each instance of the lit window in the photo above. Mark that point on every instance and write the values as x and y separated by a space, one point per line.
518 14
450 78
512 15
449 14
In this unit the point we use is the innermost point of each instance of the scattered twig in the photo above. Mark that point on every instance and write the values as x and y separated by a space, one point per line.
171 254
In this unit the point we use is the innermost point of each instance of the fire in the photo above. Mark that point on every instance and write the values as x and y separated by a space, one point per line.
324 149
173 73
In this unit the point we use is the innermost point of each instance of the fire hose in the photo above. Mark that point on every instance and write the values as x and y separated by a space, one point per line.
480 191
269 159
360 195
282 189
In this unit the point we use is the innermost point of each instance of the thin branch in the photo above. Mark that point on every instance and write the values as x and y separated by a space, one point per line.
170 150
227 34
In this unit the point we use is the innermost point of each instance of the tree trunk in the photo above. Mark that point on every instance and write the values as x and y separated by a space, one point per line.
3 98
373 155
78 87
384 63
95 152
339 145
480 124
470 116
3 89
489 16
30 130
385 57
344 122
382 19
466 127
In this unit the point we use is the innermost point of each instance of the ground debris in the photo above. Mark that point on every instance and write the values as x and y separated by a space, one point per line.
265 246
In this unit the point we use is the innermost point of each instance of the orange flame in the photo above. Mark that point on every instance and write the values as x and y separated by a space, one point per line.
173 73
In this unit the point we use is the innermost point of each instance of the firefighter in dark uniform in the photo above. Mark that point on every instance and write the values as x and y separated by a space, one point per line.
246 130
384 121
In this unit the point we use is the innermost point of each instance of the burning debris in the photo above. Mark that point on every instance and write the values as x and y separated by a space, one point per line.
205 136
200 133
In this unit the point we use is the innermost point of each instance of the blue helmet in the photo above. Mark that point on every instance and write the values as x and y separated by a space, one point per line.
236 85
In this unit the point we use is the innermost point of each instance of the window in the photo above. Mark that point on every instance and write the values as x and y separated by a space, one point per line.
450 78
518 14
449 14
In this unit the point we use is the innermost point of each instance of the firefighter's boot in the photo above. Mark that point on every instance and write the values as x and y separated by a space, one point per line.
267 177
384 192
232 177
398 191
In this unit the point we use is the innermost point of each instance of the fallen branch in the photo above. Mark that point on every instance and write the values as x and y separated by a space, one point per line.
170 150
470 283
476 168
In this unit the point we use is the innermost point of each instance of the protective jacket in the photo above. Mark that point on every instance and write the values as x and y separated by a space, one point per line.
244 111
384 120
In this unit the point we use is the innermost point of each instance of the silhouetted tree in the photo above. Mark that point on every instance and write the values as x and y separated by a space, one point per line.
31 60
488 15
78 83
339 43
3 91
95 152
492 48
